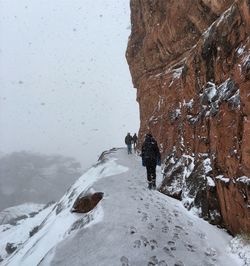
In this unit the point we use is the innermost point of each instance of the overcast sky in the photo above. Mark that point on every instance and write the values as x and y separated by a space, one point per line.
65 86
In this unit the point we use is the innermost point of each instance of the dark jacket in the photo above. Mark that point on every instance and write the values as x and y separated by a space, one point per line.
135 138
128 140
150 150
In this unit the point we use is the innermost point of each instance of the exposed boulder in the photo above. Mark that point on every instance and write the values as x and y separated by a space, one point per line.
10 248
34 231
84 204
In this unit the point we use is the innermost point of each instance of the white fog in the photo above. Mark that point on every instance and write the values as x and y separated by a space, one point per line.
65 86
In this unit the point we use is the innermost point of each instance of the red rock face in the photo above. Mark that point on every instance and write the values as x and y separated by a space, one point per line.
190 64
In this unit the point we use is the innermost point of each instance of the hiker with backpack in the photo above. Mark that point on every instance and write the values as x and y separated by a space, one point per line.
128 142
150 158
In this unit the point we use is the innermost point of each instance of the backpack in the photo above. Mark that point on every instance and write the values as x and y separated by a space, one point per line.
150 149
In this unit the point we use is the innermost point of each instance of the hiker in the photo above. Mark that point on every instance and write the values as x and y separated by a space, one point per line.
150 158
128 142
135 138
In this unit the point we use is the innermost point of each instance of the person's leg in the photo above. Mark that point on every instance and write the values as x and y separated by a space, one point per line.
129 149
149 178
154 175
152 170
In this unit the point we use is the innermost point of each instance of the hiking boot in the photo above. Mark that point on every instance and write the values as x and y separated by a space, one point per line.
153 184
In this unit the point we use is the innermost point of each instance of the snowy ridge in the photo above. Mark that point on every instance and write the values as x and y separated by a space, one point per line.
60 222
130 226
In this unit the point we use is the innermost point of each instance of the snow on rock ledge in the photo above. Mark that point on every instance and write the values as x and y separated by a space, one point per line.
188 180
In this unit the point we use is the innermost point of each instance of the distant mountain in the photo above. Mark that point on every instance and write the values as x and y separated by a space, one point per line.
37 178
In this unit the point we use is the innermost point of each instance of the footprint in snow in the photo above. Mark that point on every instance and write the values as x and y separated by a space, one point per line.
144 241
164 223
172 245
133 197
202 235
170 220
178 229
165 229
164 214
157 206
168 251
144 217
124 260
210 252
176 236
190 247
150 226
162 263
132 230
146 205
190 223
162 205
153 261
179 263
153 244
157 218
137 244
176 213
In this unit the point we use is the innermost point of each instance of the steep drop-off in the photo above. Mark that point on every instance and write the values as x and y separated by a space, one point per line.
190 64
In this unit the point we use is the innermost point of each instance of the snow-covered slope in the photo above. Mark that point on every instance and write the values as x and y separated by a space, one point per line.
130 226
13 214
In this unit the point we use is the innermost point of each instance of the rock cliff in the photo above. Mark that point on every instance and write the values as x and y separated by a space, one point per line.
190 64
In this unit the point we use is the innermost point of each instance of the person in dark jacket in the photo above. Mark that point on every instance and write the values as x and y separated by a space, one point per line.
135 138
128 142
150 158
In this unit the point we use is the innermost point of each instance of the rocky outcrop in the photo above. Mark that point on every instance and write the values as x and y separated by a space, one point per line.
84 204
190 64
10 248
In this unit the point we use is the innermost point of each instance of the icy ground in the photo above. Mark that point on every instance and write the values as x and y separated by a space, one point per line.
130 226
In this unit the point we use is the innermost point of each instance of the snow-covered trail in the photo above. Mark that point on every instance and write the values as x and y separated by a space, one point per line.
142 227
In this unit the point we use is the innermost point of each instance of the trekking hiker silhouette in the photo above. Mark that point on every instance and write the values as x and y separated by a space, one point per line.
128 142
150 158
135 138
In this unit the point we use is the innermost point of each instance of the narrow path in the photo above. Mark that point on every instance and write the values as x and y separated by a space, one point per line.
143 227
